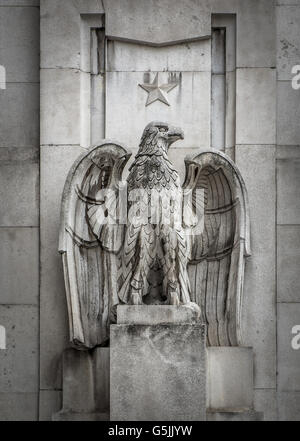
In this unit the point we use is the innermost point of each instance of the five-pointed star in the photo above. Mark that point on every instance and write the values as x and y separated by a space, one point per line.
156 92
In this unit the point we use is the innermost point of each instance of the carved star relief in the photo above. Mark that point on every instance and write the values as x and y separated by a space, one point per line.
156 92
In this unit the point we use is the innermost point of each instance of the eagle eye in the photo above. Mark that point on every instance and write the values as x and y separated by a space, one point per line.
162 129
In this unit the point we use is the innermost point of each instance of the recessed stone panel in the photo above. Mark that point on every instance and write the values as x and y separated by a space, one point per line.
127 113
133 57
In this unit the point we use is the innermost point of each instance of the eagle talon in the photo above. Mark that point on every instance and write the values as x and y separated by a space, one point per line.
136 298
174 299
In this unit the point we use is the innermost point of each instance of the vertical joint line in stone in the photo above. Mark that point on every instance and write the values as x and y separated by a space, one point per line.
2 338
90 68
218 88
223 83
2 77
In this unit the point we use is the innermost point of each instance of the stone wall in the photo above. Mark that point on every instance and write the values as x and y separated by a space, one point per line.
288 209
261 132
19 212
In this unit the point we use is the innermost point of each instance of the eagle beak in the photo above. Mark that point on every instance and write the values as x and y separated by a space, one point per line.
174 134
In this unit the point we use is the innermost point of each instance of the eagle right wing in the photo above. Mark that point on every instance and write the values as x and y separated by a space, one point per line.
219 242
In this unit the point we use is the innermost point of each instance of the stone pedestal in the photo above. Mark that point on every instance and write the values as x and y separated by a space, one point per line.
229 378
157 372
230 384
85 386
245 415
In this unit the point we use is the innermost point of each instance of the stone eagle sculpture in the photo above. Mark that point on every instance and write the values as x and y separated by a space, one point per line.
149 240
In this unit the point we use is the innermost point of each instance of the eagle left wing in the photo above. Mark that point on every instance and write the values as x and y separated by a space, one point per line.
90 239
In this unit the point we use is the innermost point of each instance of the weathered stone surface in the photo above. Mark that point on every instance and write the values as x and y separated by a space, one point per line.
288 152
157 315
218 89
19 3
256 33
60 106
288 260
287 2
163 23
19 122
218 112
18 406
235 416
229 378
21 354
288 114
50 402
85 386
288 357
19 36
189 110
79 416
288 181
101 359
131 57
157 373
61 27
78 381
21 154
55 164
19 265
265 401
19 193
289 406
230 128
288 39
256 106
257 165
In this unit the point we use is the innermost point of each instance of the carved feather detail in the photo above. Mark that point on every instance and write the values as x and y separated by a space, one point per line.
196 255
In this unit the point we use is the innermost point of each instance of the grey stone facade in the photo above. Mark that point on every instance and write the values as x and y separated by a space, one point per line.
260 132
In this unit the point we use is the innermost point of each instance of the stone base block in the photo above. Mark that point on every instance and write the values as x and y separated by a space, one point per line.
85 386
235 416
77 416
230 378
158 373
157 315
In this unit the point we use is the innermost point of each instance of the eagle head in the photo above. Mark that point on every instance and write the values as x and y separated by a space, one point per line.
161 135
